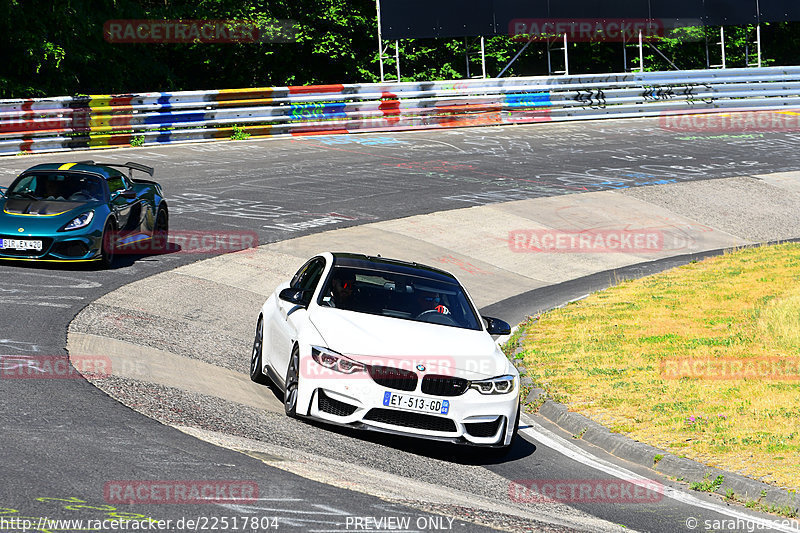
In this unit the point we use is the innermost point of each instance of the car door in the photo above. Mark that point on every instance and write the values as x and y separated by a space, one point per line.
290 317
121 206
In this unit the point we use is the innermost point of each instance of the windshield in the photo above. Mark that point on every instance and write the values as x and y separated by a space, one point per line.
400 296
57 187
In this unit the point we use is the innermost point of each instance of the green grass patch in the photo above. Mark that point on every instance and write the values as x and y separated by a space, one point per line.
604 357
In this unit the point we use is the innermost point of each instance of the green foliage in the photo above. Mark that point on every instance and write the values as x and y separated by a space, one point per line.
137 140
57 48
239 134
708 485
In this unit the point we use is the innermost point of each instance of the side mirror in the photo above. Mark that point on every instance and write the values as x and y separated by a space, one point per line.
495 326
294 296
129 194
3 191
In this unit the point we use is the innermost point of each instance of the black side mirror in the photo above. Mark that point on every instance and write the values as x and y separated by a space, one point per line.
495 326
294 296
130 194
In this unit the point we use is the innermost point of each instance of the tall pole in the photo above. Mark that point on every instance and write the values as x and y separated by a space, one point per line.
722 43
758 32
380 39
397 58
641 52
758 43
624 53
466 54
483 57
566 56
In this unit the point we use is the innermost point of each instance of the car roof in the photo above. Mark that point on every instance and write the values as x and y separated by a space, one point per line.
391 265
101 170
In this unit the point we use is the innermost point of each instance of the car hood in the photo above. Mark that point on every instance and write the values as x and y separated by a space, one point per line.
24 206
379 340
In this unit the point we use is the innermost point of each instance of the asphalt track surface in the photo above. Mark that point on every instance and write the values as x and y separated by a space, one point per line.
64 439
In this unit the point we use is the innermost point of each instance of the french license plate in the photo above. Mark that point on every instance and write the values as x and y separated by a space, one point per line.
415 403
19 244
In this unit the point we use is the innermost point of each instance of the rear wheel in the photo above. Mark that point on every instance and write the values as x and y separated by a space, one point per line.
108 245
292 383
161 230
256 364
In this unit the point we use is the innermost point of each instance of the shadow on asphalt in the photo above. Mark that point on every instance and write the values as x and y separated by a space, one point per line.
443 451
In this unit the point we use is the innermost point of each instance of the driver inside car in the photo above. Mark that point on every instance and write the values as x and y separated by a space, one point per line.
428 301
52 190
342 286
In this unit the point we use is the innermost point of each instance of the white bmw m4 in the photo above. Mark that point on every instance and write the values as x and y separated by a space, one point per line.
387 345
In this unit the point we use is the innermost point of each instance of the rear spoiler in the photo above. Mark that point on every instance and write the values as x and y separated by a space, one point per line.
129 165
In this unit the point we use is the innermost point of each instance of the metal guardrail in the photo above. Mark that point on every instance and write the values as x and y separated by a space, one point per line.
71 123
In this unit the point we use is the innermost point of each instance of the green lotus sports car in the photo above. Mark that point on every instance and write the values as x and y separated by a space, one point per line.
82 211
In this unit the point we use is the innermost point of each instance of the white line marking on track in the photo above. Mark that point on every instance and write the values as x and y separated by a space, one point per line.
567 449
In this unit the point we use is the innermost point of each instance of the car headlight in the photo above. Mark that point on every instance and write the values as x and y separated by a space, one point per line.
498 385
81 221
335 361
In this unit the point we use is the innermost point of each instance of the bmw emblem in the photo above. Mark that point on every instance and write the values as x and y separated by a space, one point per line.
421 368
21 230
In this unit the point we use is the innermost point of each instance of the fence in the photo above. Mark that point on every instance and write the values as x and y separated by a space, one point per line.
70 123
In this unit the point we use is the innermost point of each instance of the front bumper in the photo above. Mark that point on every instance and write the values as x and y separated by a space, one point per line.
358 401
63 246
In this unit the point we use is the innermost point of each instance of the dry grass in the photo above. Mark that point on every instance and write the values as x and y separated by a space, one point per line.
603 357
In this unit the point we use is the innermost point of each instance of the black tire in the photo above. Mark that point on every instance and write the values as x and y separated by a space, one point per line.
107 246
255 360
292 382
161 231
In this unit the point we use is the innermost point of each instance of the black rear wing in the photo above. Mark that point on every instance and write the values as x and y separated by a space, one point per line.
129 165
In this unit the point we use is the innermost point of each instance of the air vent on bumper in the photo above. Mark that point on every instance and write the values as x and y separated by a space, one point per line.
411 420
334 407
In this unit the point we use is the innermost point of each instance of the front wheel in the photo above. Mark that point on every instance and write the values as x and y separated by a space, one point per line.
108 245
292 384
256 364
